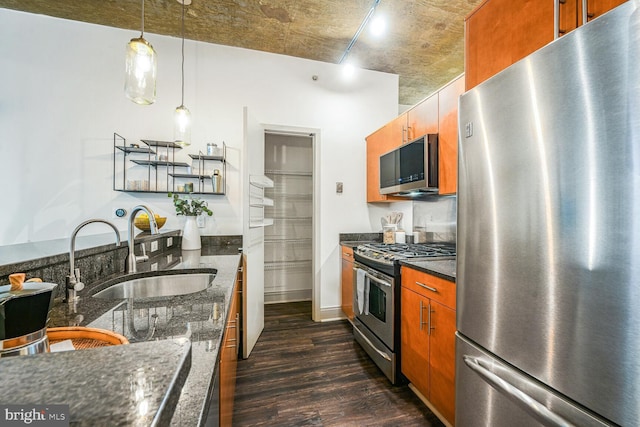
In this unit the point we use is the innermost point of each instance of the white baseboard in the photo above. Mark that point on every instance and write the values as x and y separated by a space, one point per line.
331 314
287 296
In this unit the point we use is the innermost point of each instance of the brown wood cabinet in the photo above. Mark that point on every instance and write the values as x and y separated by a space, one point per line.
427 331
423 118
229 354
448 136
347 281
437 113
501 32
381 141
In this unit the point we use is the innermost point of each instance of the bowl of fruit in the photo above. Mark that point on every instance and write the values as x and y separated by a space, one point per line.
142 221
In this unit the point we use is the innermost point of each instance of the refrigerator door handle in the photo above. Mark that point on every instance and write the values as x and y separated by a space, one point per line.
503 382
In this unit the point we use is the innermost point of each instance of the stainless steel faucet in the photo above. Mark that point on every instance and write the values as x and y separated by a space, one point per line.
73 279
132 259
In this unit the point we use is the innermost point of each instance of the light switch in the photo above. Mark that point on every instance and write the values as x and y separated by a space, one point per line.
338 187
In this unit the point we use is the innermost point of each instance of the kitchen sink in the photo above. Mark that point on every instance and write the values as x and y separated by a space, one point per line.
158 286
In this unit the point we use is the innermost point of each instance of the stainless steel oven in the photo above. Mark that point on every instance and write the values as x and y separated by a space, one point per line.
376 298
374 306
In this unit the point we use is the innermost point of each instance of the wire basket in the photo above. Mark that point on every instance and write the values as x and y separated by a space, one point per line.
82 337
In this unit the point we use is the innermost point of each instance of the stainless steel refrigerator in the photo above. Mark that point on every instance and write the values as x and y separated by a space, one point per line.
548 272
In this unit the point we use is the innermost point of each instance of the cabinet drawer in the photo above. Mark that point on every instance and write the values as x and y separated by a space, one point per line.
435 288
347 252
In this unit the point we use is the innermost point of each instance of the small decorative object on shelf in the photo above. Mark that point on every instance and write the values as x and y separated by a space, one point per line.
191 208
154 168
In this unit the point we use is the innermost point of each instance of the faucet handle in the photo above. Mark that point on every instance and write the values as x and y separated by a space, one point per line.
78 285
144 257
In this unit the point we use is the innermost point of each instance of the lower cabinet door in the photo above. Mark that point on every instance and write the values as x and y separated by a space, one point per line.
442 360
347 287
414 336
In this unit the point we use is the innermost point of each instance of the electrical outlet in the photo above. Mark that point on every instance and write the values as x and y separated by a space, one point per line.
117 212
154 245
169 242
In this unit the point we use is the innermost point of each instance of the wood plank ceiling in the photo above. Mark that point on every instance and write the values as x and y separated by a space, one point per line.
423 44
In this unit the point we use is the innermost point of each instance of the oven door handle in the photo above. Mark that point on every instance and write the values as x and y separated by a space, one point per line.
374 278
381 353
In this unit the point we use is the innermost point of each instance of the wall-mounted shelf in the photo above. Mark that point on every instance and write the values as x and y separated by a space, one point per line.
163 172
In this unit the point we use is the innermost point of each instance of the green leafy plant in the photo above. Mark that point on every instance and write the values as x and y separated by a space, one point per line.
190 206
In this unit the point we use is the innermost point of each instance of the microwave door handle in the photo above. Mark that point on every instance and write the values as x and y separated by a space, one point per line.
432 175
507 384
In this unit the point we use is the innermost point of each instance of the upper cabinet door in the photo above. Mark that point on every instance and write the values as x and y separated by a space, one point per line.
501 32
422 119
448 136
381 141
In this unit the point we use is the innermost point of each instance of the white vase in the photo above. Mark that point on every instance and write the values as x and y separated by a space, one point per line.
191 235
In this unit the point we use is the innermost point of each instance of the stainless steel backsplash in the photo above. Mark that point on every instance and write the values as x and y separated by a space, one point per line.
434 217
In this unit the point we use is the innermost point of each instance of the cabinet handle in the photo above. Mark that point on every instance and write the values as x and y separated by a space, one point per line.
429 320
404 130
427 287
237 328
556 19
347 254
422 307
584 12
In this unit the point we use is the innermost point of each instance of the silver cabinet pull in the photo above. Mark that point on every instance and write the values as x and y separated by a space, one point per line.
427 287
422 322
556 19
503 383
429 320
584 12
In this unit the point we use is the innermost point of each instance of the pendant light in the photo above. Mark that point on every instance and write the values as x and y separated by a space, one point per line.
182 116
141 65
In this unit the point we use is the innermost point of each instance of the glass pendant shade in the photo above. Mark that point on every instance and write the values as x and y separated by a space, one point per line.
182 128
141 66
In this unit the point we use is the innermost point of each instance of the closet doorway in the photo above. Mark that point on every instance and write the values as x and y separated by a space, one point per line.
288 243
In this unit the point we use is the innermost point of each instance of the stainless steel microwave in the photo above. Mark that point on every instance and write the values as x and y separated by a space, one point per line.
411 169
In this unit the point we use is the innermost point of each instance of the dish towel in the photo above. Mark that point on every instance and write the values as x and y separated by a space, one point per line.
361 278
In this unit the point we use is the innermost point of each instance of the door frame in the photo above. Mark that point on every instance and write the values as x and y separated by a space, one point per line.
314 133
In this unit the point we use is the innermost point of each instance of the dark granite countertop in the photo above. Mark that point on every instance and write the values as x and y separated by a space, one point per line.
199 317
445 269
135 384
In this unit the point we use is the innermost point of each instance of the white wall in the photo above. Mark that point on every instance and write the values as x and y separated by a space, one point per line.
61 99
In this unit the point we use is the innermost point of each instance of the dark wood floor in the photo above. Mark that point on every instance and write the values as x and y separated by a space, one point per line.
303 373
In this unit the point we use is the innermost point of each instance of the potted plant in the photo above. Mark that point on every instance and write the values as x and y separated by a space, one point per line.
190 207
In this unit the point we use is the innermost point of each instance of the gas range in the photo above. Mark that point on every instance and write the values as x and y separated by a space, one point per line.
376 296
388 254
